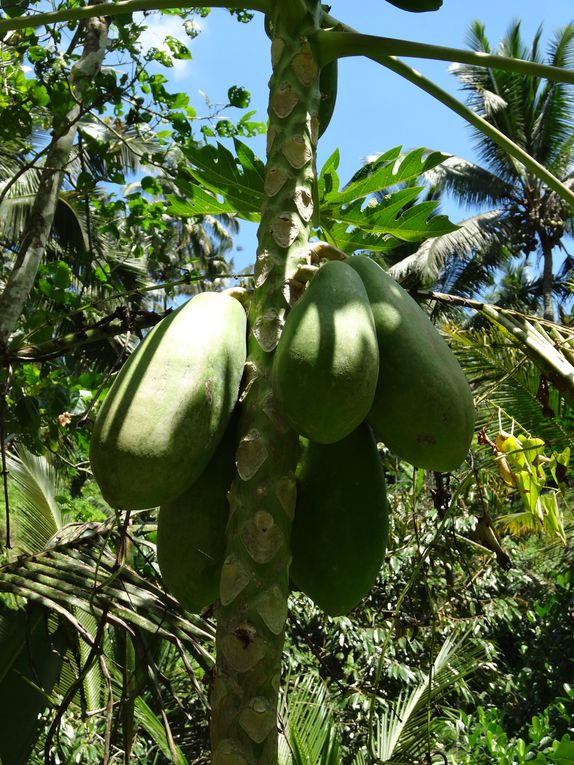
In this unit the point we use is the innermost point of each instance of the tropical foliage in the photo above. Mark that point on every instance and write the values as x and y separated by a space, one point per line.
462 652
515 216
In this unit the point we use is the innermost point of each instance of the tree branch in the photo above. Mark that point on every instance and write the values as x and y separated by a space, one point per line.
123 6
32 249
117 323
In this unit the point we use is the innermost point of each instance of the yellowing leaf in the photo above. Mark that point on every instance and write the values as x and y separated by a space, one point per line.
553 520
529 490
511 446
505 471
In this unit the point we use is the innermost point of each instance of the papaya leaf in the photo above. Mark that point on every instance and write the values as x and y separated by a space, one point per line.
389 217
416 6
389 169
397 213
239 179
351 240
196 201
328 180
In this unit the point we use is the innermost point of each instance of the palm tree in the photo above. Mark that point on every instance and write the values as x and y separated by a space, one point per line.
68 611
518 215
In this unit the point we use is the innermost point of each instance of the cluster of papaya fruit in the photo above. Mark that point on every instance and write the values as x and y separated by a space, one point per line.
357 346
165 436
357 355
358 360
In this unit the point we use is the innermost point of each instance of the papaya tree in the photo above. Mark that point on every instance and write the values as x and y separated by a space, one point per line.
305 219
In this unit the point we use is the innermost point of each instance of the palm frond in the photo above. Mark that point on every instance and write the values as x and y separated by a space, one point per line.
150 722
37 513
88 689
537 115
70 228
473 236
404 729
469 182
308 734
93 681
504 380
129 144
35 662
80 572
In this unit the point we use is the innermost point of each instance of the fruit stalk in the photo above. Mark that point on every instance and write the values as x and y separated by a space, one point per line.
252 612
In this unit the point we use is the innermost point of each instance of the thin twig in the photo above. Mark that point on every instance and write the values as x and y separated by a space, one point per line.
109 709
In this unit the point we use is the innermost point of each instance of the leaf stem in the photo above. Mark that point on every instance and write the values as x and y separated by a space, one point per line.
339 44
122 6
541 172
353 43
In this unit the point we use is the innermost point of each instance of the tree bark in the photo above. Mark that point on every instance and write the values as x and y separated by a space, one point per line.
21 280
254 582
547 277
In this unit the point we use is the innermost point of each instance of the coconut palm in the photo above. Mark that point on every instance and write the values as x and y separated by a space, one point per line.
403 730
518 215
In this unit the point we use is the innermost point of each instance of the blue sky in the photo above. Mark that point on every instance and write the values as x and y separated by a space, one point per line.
376 109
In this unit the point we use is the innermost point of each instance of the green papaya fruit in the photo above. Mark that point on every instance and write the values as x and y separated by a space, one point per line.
170 404
340 528
328 80
326 363
191 531
416 6
423 409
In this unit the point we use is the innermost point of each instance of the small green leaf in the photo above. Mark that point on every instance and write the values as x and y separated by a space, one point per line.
62 275
238 97
151 185
179 101
177 48
225 129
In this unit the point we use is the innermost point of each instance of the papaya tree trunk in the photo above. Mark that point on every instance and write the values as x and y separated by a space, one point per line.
33 246
254 581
